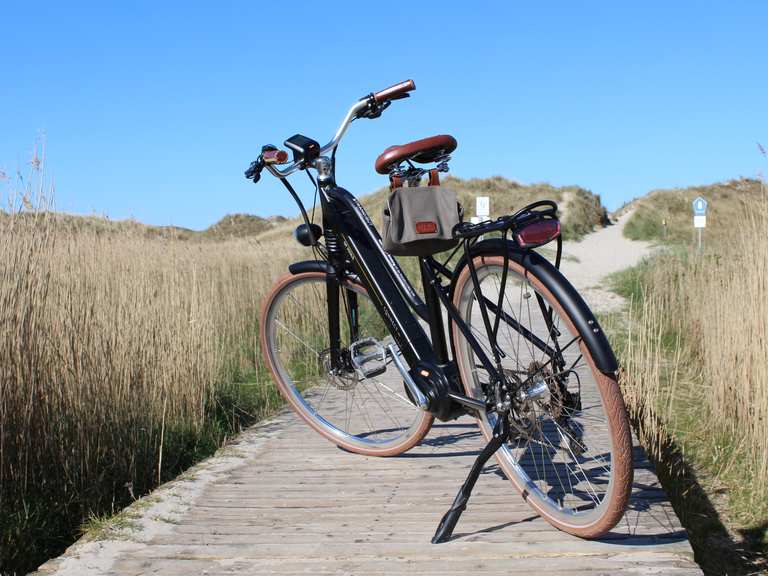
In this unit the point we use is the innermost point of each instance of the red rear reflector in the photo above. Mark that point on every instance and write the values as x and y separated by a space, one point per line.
426 227
538 233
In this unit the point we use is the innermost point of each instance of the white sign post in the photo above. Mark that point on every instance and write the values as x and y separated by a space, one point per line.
482 210
699 216
483 207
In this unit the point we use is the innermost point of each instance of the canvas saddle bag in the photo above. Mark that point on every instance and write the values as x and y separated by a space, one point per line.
419 221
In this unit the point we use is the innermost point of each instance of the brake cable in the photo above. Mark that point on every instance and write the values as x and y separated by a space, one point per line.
316 247
304 215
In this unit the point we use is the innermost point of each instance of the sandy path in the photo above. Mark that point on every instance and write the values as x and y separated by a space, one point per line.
587 263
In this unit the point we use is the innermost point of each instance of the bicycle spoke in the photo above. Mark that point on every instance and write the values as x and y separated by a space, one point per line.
298 339
400 397
383 409
364 412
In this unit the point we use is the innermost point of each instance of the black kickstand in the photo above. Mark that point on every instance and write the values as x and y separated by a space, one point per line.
448 523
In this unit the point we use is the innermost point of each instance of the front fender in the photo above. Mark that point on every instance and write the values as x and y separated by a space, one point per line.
311 266
325 268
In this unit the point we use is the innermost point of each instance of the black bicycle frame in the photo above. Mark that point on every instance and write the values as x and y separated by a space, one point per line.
353 253
397 301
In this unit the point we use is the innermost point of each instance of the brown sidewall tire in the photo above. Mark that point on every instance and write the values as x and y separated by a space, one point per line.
618 421
407 443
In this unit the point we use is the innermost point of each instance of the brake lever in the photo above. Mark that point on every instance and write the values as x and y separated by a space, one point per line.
374 109
254 170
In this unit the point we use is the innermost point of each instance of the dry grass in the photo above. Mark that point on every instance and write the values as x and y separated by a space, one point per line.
229 227
718 304
123 359
696 361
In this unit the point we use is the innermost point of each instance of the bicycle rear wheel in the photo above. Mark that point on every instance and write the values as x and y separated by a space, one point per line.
362 409
570 453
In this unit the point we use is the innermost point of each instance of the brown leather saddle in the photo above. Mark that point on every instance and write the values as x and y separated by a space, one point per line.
421 151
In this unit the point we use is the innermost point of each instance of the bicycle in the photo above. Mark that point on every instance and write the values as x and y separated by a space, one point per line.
364 359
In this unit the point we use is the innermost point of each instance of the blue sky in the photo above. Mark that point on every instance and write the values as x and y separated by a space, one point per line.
153 110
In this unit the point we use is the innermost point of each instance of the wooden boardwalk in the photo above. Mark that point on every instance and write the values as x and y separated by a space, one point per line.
289 502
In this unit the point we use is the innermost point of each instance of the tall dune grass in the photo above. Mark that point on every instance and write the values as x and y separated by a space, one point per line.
122 360
696 359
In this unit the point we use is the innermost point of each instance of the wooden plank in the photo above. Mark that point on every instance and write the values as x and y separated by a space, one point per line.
662 564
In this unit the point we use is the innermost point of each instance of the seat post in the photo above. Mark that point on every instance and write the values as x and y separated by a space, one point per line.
436 330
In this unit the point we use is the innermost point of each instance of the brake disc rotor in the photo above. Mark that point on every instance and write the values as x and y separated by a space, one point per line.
341 379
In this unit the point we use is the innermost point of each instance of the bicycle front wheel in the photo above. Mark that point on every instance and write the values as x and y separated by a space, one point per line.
361 406
570 451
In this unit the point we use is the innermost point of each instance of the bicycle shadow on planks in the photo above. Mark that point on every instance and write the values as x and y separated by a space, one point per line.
448 434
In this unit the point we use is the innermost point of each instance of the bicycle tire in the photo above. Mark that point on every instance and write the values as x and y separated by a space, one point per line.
518 459
407 433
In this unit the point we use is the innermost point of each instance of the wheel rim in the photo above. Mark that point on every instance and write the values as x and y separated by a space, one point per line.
544 460
371 414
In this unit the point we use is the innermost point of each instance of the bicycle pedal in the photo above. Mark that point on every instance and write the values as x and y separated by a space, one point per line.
368 357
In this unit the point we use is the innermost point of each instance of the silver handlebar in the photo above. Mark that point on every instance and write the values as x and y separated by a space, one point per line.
295 166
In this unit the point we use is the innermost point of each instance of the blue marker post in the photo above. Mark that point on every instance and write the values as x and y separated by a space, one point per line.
700 216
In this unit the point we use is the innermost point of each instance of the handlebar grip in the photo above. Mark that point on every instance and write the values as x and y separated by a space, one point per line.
394 92
274 156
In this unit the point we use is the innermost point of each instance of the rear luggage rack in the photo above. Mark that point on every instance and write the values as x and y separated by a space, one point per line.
532 226
538 211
